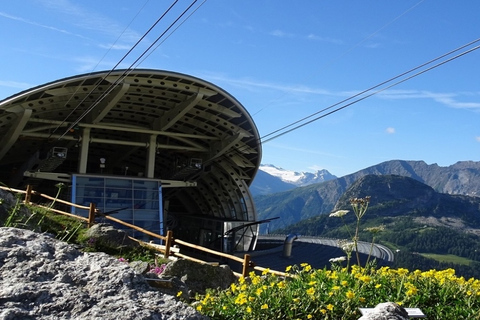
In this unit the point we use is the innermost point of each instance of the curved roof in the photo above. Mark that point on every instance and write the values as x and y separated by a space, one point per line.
200 133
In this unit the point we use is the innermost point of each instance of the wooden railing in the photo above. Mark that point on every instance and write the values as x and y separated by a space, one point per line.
170 241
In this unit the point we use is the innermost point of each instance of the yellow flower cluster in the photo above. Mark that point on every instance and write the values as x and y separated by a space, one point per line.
307 293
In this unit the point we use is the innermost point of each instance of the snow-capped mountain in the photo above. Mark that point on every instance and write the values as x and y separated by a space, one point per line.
298 179
271 179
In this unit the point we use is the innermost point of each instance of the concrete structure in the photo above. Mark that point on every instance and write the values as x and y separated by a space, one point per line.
160 149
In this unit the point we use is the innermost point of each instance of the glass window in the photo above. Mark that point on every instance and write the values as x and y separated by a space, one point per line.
133 200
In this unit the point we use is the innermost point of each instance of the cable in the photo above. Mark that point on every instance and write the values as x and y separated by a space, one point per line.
374 87
109 72
98 63
366 38
173 32
125 73
376 92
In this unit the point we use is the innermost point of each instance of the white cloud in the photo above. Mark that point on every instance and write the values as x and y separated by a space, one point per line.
315 37
252 83
115 46
390 130
477 138
448 99
20 19
281 34
315 168
77 15
14 84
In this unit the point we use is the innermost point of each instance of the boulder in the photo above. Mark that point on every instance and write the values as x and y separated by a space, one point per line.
105 235
386 311
44 278
199 277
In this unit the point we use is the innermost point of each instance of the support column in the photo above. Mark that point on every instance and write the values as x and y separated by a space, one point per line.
152 151
84 146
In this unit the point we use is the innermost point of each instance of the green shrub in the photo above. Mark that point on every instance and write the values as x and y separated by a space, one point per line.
308 293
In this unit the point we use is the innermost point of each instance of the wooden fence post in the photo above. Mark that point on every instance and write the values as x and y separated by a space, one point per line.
91 215
168 243
28 194
246 265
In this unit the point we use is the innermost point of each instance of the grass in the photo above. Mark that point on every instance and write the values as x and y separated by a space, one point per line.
70 230
449 258
308 293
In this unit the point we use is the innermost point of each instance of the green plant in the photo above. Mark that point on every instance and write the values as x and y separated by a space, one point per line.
10 221
359 206
307 293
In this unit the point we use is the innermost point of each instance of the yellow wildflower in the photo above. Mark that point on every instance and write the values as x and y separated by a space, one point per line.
311 291
264 306
350 294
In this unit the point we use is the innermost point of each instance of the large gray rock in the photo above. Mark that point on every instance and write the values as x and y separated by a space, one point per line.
43 278
105 235
199 277
386 311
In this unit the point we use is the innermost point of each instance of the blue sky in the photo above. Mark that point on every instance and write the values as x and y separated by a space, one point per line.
283 60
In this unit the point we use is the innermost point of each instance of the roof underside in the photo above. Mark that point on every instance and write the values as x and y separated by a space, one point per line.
190 121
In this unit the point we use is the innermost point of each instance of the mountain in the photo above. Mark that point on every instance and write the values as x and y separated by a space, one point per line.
292 206
393 196
271 179
418 223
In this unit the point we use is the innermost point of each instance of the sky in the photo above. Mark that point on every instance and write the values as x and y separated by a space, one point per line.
283 61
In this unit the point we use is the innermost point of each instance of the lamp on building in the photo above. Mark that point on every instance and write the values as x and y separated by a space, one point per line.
102 164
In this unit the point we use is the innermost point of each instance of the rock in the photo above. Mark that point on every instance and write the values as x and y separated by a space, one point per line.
386 311
105 235
140 267
44 278
199 277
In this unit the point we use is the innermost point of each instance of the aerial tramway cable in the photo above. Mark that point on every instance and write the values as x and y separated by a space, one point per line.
126 72
78 88
373 93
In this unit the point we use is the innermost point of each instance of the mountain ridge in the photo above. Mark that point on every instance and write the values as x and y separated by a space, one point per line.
292 206
272 179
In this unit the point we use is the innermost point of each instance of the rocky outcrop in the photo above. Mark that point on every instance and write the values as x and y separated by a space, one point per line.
43 278
199 277
386 311
105 235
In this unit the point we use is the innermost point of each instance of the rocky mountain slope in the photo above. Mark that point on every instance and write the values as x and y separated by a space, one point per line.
425 228
271 179
462 178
